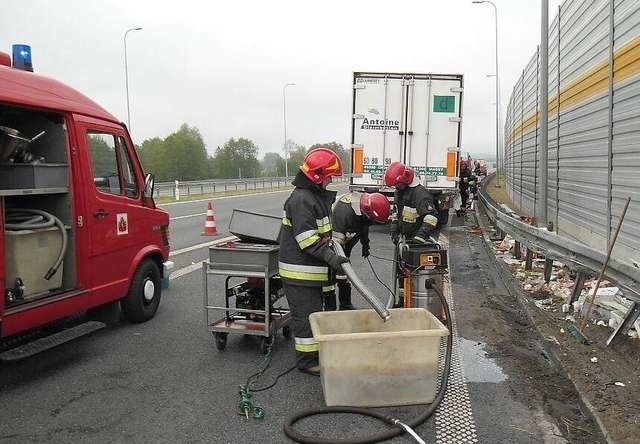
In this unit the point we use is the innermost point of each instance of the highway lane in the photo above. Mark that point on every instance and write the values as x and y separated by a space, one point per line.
164 381
187 218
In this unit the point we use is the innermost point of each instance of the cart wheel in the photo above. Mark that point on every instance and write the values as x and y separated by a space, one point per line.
221 340
286 332
265 344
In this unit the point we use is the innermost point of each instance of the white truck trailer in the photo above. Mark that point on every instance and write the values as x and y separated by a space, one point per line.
412 118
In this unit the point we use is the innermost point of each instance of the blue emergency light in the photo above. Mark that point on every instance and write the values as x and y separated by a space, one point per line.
22 57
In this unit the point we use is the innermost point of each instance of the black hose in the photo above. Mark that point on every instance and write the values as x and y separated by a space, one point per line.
30 219
291 432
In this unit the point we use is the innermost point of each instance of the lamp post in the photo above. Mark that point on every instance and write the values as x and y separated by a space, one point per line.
126 73
495 10
284 109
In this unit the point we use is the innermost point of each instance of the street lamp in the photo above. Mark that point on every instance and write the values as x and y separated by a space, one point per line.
495 10
126 74
284 108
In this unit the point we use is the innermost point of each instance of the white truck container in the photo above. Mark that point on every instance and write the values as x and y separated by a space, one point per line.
412 118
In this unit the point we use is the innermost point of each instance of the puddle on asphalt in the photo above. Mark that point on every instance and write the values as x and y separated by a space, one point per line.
477 366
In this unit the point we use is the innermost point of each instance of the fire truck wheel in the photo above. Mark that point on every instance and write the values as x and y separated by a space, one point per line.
143 299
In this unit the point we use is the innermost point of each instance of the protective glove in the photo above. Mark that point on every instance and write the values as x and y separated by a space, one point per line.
430 220
335 261
365 250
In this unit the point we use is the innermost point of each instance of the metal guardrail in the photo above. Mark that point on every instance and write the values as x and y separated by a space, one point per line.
574 254
197 187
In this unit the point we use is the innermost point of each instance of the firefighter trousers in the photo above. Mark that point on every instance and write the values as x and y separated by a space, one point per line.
344 295
302 302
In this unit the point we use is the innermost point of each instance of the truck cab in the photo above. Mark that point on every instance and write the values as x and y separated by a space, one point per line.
79 229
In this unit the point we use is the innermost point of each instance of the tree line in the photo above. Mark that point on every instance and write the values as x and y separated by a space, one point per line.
183 155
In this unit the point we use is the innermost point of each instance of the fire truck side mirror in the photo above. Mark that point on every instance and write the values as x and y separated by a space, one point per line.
149 184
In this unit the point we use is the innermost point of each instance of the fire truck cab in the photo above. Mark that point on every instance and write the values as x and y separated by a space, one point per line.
79 229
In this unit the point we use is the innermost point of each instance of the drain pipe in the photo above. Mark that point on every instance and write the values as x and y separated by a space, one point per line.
361 287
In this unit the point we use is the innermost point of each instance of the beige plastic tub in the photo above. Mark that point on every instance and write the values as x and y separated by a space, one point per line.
365 362
30 254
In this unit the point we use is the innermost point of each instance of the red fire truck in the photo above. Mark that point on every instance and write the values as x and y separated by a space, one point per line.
79 229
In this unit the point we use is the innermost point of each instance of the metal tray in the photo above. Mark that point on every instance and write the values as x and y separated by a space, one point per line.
245 254
255 227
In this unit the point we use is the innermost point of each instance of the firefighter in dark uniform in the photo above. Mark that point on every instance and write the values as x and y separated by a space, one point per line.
467 181
305 255
416 213
416 217
353 213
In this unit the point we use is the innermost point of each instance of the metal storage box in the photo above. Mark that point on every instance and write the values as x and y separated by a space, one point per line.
30 254
366 362
15 176
255 227
245 254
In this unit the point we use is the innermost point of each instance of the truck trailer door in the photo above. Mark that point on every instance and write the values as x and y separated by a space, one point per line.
377 127
433 125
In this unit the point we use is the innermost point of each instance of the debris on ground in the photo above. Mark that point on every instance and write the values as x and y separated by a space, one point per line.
610 305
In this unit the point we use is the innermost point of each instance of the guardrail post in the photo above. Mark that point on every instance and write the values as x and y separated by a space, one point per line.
528 264
517 252
581 277
548 268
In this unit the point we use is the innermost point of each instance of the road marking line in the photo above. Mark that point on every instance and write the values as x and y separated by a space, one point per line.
454 417
202 245
187 216
225 197
185 271
198 265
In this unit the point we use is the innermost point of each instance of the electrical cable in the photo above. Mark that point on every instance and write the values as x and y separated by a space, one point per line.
378 278
382 258
273 384
20 219
397 429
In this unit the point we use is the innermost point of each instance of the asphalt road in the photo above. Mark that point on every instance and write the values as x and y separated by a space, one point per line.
164 380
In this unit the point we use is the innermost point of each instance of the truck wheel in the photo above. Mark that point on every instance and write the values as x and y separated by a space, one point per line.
143 299
443 217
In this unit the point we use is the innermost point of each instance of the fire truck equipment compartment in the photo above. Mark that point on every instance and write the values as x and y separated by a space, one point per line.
30 253
15 176
255 227
366 362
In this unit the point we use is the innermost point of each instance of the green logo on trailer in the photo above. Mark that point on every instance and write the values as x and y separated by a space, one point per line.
444 104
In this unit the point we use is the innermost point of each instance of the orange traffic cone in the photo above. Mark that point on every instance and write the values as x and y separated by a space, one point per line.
210 222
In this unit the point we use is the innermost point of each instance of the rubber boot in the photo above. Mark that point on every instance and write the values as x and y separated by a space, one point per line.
344 295
329 301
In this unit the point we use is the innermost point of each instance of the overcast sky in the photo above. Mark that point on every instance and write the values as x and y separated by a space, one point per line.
221 65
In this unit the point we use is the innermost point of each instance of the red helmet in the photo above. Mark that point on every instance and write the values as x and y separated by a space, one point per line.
398 172
321 163
375 206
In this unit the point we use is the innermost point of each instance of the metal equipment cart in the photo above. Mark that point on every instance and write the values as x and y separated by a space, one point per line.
251 279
